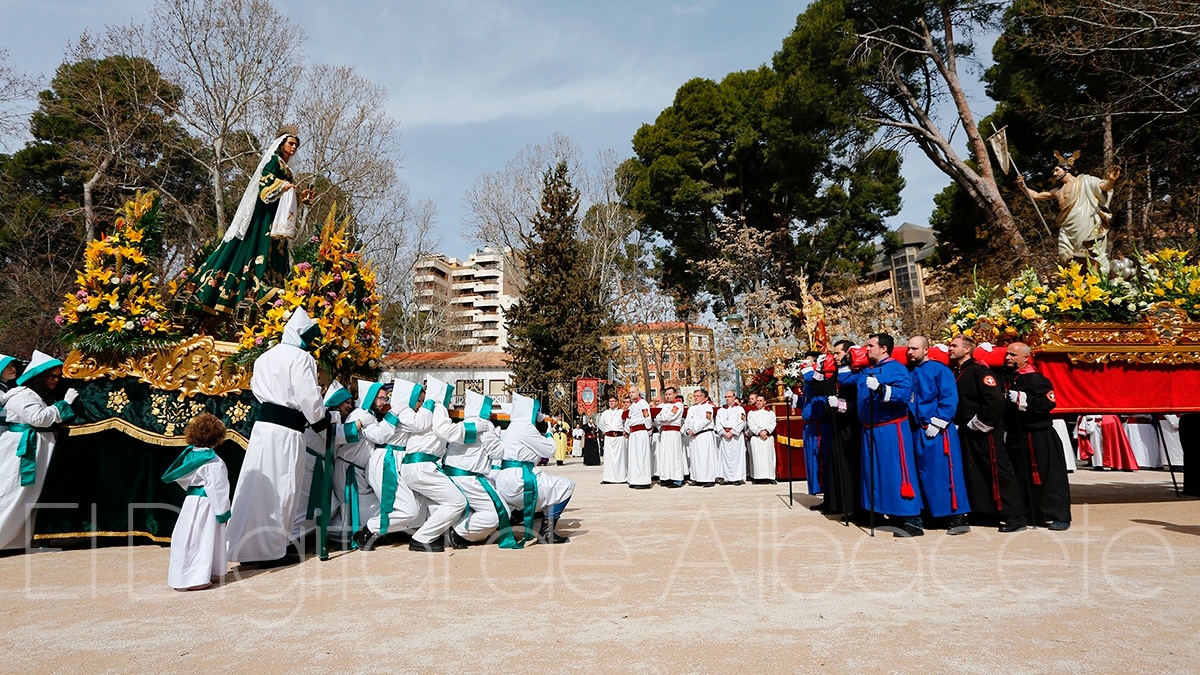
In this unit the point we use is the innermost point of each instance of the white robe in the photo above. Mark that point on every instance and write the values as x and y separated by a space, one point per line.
1170 429
1143 439
407 512
355 458
1089 425
762 451
23 406
577 442
733 449
638 424
616 464
1064 435
702 447
268 495
198 540
522 443
446 502
671 464
480 520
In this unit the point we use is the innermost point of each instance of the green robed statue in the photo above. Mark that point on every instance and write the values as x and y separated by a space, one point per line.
253 255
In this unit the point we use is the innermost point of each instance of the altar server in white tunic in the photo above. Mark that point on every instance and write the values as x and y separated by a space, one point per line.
419 468
31 411
1174 448
760 423
521 485
267 496
638 423
612 423
731 427
670 440
702 446
400 511
469 464
198 540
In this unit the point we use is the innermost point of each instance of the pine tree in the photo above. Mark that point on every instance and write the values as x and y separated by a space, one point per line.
554 332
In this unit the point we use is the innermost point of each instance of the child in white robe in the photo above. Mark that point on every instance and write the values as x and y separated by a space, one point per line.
198 541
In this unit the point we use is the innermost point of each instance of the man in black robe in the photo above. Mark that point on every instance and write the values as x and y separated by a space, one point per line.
992 486
1035 448
842 468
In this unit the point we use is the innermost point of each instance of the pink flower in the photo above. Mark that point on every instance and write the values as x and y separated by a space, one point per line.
279 302
304 267
314 239
257 342
301 292
81 294
58 319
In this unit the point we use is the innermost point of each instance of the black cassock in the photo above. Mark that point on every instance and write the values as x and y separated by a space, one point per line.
1035 448
841 471
591 446
992 485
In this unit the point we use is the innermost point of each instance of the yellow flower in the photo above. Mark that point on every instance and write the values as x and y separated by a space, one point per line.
1015 309
133 235
1094 294
116 325
1028 313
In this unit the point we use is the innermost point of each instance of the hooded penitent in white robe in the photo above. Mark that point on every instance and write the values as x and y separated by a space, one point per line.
267 496
523 444
25 449
469 463
399 509
419 470
762 450
198 540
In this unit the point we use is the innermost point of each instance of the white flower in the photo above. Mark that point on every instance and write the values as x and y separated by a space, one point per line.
82 307
1131 307
153 315
345 343
128 325
114 305
345 322
362 325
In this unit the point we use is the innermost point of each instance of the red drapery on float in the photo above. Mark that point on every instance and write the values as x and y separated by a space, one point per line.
1119 386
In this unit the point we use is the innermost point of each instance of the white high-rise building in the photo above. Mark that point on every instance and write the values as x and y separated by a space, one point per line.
469 297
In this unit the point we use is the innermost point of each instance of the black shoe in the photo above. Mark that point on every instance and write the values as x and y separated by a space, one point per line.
365 539
291 558
817 507
958 525
673 484
547 535
1060 526
639 487
456 540
907 530
1014 524
431 547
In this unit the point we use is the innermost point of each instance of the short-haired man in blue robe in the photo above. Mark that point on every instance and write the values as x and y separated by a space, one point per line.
884 388
939 455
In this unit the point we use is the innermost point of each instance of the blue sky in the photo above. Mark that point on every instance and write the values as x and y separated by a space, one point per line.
473 83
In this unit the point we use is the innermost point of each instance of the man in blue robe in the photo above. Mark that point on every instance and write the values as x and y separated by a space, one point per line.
815 410
939 455
884 388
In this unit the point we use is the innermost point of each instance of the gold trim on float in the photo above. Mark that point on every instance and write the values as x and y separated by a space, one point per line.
89 535
194 366
790 442
142 435
1164 337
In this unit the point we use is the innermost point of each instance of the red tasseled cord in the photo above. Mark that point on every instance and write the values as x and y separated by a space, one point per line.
906 488
1037 478
950 460
995 472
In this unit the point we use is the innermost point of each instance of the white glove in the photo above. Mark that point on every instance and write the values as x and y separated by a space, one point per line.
819 376
833 402
873 383
1014 395
821 361
71 396
975 424
931 431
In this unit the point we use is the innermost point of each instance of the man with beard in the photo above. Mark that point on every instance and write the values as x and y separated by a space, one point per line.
992 483
1032 442
32 411
935 440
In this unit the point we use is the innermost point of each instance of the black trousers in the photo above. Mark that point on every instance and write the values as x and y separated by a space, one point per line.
840 480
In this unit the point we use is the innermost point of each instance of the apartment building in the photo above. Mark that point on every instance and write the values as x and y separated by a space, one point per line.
671 353
467 299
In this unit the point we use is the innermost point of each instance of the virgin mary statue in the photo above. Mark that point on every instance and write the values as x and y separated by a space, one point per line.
253 256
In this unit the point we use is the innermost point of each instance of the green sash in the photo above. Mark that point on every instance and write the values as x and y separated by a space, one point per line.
350 499
196 491
529 502
318 482
421 457
391 479
27 451
506 536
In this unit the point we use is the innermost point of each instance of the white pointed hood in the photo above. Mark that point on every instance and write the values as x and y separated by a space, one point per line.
405 394
477 406
525 409
300 330
38 364
367 393
437 391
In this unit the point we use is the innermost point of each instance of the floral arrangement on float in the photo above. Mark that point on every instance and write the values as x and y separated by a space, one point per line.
1028 306
116 309
337 289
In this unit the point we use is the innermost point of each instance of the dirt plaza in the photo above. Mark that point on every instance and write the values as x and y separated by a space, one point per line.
691 580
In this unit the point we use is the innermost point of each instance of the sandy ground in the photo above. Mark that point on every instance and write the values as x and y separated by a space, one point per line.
691 580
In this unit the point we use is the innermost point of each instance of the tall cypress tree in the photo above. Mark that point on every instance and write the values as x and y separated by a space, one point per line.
554 331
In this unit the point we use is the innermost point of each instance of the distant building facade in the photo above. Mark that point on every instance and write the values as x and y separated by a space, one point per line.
487 373
902 274
675 353
470 297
